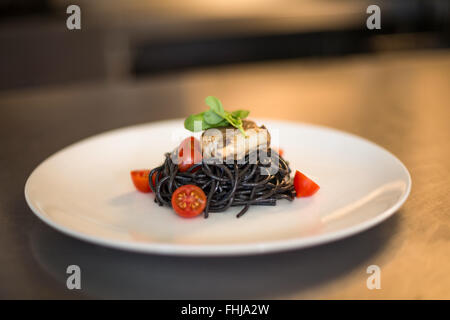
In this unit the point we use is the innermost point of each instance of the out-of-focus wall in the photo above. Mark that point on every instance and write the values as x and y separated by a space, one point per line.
120 39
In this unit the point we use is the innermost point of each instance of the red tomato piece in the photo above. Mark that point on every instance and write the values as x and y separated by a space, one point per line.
192 143
188 201
140 180
304 186
189 153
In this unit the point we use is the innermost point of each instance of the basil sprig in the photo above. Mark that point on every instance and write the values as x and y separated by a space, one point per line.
216 117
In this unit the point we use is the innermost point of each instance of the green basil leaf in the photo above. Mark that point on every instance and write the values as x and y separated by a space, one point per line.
211 117
189 123
240 127
216 117
223 123
215 105
236 122
230 119
240 114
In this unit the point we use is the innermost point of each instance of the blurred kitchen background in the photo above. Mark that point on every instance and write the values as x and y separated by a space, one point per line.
127 40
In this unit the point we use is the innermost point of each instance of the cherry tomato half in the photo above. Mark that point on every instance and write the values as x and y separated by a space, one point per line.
189 153
188 201
140 180
304 186
191 142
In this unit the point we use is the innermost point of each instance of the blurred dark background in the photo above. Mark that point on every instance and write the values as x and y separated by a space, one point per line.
123 40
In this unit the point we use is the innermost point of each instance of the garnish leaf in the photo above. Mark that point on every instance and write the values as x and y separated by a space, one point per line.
215 105
211 117
189 123
240 113
215 117
238 124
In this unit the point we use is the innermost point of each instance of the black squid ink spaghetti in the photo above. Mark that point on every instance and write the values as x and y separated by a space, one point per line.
227 185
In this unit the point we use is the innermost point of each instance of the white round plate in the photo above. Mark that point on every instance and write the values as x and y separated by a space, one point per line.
85 191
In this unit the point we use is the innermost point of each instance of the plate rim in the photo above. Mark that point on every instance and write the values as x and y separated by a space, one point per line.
223 249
